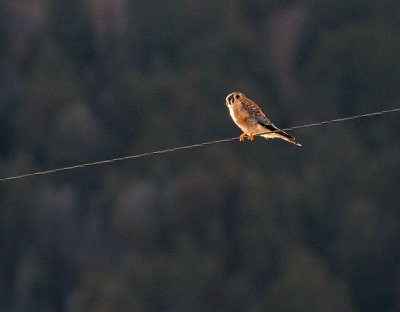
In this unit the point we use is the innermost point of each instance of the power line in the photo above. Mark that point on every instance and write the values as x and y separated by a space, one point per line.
174 149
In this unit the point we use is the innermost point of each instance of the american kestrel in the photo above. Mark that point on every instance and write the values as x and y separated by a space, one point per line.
249 117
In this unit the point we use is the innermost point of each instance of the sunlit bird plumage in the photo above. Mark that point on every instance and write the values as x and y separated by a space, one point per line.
252 121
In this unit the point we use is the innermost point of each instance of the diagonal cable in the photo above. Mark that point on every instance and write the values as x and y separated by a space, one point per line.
179 148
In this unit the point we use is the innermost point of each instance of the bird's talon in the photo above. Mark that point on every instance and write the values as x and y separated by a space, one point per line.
250 137
242 137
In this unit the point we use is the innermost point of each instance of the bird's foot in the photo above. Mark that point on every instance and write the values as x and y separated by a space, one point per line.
250 137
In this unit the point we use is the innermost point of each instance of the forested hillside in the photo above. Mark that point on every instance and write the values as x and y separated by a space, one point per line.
252 226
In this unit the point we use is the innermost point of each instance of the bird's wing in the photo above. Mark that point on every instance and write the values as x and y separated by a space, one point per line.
253 109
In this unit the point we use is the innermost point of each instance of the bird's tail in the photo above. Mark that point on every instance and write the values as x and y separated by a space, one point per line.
289 138
282 135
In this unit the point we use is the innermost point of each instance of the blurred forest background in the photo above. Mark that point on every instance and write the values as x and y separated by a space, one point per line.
261 226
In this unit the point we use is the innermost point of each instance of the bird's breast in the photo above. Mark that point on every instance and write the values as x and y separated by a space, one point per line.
239 116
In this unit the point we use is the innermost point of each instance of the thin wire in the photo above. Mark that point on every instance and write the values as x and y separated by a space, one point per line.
174 149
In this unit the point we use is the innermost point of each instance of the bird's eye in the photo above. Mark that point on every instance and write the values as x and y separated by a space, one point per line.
236 96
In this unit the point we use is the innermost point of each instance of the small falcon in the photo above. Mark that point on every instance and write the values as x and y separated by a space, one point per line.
249 117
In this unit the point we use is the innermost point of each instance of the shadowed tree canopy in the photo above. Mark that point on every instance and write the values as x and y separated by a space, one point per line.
259 226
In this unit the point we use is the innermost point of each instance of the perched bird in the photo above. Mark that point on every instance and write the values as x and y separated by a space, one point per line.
249 117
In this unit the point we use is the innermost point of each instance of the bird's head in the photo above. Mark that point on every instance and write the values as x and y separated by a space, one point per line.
232 97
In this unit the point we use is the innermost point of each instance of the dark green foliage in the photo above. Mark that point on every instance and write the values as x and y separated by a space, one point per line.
262 226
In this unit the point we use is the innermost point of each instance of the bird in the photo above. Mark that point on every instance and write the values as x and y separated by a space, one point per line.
252 121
